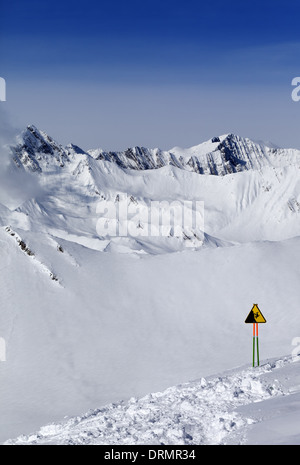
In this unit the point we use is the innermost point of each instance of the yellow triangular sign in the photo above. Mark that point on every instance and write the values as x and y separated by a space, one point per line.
255 315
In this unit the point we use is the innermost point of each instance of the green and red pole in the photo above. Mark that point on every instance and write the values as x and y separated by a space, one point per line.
255 336
253 364
257 350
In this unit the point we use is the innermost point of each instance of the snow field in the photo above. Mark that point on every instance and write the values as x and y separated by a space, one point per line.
89 321
195 413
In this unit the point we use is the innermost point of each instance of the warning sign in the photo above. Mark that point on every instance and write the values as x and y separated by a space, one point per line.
255 316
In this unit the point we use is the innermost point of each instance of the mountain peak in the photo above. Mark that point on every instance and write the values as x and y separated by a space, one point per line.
32 128
35 150
35 134
72 148
220 155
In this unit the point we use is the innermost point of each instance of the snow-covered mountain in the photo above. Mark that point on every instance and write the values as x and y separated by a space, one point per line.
219 156
91 316
250 191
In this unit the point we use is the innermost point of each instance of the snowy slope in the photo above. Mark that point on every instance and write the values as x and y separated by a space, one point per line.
90 319
74 344
242 406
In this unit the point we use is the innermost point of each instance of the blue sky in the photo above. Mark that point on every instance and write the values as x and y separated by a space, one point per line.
153 73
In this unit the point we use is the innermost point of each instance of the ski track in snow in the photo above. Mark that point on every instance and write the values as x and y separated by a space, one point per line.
195 413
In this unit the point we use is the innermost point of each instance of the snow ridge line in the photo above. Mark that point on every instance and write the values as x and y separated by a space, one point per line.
194 413
31 254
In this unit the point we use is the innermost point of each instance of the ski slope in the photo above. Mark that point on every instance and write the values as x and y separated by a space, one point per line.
91 320
73 344
242 406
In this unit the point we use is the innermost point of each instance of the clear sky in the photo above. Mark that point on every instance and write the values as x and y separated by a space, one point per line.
114 74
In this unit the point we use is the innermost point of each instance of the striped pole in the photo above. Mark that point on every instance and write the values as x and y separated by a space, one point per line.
253 364
257 344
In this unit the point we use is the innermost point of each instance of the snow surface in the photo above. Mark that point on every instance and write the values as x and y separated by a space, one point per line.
243 406
90 321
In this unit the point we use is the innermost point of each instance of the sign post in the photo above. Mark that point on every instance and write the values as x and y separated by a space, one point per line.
255 316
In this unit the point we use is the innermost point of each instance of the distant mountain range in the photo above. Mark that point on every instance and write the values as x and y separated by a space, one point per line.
222 155
250 190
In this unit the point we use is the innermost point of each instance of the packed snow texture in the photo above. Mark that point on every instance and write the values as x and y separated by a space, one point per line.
245 406
91 319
